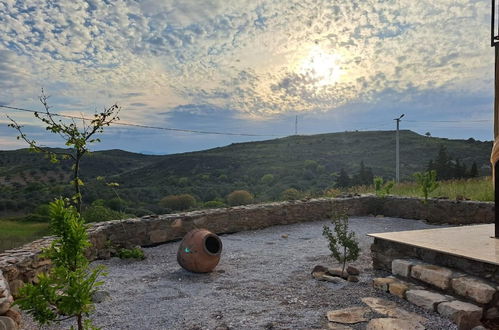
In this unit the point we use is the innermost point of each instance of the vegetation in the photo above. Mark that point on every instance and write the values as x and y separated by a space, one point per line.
291 194
178 202
16 233
447 168
66 291
134 253
342 243
381 188
239 197
427 182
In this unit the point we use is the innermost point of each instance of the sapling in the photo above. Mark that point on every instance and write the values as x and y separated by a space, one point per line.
427 182
381 188
342 242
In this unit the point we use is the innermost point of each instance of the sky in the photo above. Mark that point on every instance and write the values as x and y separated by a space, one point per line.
247 67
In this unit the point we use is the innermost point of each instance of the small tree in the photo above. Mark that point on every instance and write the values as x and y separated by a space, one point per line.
291 194
427 182
178 202
381 188
342 243
66 291
239 197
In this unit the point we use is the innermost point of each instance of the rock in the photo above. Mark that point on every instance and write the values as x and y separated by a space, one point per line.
351 270
402 267
332 279
479 327
426 299
398 289
394 324
352 278
6 323
5 304
434 275
464 315
15 285
492 313
336 326
474 289
349 315
319 268
318 275
158 236
284 235
14 314
382 283
390 308
100 296
337 271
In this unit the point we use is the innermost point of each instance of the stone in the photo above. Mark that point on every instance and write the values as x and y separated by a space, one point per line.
398 289
352 278
100 296
5 304
426 299
474 289
158 236
434 275
337 326
332 279
463 314
349 315
394 324
6 323
337 271
351 270
390 309
319 268
382 283
284 235
15 285
479 327
14 314
492 313
402 267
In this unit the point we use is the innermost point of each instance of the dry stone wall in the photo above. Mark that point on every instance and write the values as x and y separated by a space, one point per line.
22 265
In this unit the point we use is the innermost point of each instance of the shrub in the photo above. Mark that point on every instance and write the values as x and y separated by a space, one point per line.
427 182
239 197
214 204
98 213
381 188
332 192
290 194
178 202
134 253
267 179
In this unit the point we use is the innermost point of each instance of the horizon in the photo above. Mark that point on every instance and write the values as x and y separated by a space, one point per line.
245 67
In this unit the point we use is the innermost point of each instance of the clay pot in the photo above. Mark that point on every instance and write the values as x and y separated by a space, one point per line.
199 251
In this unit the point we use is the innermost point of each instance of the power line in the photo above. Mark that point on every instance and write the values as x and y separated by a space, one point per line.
449 121
144 126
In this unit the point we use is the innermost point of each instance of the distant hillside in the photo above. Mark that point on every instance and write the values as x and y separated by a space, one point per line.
307 163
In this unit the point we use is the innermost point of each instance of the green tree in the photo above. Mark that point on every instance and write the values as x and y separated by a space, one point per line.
66 291
343 180
474 171
290 194
427 182
178 202
341 242
239 197
267 179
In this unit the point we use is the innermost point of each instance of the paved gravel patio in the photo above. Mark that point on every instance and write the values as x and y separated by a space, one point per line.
263 281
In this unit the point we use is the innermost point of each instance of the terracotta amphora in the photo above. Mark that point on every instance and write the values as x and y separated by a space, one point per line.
199 251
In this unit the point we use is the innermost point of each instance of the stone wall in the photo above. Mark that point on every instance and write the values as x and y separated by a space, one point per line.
22 265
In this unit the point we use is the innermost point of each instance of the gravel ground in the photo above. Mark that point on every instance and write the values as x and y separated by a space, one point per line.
263 281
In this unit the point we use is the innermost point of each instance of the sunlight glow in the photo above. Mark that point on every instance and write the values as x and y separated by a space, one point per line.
322 66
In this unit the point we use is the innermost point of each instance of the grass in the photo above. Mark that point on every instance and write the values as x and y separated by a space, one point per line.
478 189
14 234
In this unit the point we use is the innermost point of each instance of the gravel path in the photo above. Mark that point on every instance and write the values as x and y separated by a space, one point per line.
263 281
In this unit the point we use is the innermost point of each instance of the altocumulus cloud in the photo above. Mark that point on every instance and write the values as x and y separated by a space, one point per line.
255 59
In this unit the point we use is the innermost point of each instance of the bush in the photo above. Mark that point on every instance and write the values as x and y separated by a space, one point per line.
239 197
427 182
267 179
214 204
178 202
135 253
98 213
116 204
290 194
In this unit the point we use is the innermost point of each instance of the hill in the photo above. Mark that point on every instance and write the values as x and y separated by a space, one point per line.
307 163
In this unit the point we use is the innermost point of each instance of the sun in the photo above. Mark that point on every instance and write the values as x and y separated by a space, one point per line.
324 67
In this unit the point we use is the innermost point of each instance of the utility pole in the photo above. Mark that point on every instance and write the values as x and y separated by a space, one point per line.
296 125
494 43
397 151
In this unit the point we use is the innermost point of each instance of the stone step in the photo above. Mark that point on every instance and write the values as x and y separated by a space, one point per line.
464 314
457 283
